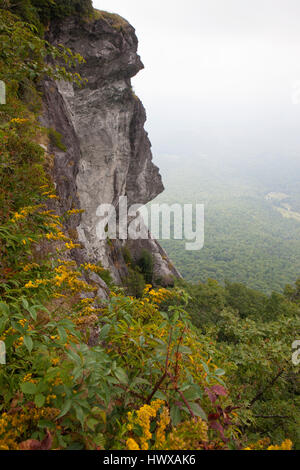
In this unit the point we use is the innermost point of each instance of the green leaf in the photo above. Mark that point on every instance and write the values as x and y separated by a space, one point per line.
205 366
2 324
99 440
25 303
138 381
66 408
28 388
92 423
39 400
62 333
198 411
175 415
219 372
33 313
104 331
192 394
185 387
79 414
121 375
185 350
4 308
160 395
75 446
28 343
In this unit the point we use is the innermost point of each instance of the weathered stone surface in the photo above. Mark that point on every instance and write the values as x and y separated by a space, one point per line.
108 151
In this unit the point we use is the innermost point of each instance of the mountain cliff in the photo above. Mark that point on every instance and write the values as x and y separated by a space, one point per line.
108 153
195 367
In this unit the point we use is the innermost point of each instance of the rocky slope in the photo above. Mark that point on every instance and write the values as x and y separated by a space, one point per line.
108 151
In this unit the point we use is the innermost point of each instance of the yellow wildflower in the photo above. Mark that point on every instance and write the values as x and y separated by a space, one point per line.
132 444
286 445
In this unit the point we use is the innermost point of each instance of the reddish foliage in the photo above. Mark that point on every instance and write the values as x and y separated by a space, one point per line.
33 444
215 391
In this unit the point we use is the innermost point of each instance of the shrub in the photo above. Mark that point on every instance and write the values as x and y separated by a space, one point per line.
56 139
40 12
135 283
145 264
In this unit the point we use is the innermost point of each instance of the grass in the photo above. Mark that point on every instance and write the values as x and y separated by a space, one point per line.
114 20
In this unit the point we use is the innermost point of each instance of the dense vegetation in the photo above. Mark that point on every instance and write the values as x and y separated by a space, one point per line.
40 12
193 367
255 333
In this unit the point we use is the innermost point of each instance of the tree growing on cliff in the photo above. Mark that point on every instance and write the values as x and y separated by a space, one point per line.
40 12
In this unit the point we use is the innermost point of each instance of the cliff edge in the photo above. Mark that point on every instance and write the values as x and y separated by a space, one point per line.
108 153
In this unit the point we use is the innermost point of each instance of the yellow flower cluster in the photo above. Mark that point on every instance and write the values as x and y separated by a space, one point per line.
15 425
87 301
147 288
18 121
51 215
54 224
70 279
189 435
23 213
29 267
28 378
75 211
68 263
156 296
17 216
12 332
162 425
71 245
36 284
19 342
264 444
132 444
6 333
92 267
286 445
57 381
56 236
143 417
49 398
64 275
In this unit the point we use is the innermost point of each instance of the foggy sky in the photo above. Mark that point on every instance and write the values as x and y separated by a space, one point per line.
221 78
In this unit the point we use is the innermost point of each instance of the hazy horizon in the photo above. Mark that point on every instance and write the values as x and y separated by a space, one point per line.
220 80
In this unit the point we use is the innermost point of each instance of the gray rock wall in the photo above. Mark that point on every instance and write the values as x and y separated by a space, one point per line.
108 151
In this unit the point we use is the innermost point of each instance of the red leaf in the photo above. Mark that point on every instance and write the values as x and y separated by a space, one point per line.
46 444
218 427
33 444
30 444
219 390
211 395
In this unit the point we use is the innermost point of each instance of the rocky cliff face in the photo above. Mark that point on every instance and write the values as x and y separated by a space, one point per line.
108 151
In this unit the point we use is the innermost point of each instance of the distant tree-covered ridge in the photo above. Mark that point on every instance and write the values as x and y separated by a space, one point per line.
247 239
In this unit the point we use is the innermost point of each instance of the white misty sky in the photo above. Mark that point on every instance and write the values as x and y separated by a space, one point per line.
219 75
